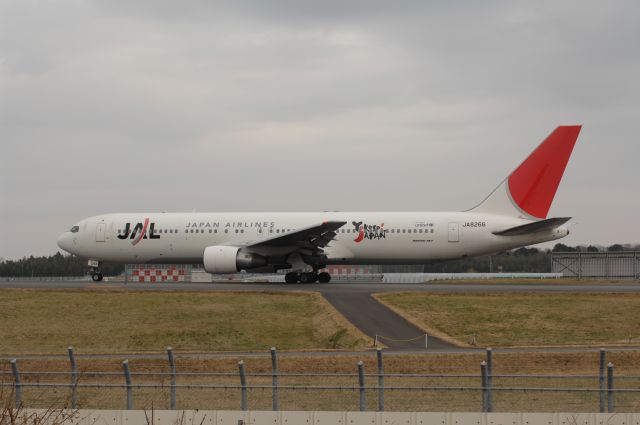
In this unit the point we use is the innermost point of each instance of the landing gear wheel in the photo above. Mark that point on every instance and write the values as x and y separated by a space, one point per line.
324 277
291 277
308 277
97 277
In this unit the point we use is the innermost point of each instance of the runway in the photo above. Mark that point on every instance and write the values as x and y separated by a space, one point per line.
352 299
337 287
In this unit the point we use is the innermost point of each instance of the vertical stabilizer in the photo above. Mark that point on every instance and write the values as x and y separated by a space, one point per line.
529 190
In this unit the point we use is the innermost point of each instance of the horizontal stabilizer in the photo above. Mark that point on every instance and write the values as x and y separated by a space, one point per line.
536 226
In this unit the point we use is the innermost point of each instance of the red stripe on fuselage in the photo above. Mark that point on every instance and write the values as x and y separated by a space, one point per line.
144 231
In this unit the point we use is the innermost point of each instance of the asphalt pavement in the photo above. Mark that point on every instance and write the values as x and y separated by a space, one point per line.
335 287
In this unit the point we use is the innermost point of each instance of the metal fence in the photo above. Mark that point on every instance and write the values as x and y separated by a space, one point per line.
486 390
623 265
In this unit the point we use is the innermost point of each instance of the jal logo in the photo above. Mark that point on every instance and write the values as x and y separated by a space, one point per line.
368 231
139 232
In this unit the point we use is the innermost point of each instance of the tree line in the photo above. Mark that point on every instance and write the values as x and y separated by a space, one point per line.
524 260
53 265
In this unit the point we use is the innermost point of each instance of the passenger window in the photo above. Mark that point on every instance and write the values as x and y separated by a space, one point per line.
226 230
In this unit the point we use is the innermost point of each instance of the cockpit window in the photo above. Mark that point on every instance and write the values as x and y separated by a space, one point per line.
74 229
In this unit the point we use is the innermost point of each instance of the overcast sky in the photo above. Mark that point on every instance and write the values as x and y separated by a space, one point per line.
113 106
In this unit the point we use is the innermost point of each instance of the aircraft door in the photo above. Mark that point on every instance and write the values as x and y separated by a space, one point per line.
100 229
454 232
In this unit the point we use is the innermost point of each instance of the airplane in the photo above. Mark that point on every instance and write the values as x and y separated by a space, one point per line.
513 215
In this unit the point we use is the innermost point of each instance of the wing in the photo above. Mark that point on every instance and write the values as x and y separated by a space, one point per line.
307 241
536 226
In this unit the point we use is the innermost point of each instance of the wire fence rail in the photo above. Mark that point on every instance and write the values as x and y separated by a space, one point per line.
485 391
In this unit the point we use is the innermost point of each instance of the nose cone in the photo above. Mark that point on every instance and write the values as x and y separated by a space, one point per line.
64 242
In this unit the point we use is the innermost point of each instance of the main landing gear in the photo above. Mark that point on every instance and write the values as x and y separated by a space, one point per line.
307 277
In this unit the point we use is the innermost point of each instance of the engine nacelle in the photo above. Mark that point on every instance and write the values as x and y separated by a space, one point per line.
220 259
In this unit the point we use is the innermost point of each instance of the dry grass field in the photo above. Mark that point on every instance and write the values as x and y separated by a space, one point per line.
545 281
528 319
37 321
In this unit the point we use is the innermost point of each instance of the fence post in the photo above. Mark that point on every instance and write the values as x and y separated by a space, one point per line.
74 378
16 382
579 265
363 400
489 379
483 379
127 380
601 379
243 386
610 388
274 379
172 369
426 341
380 381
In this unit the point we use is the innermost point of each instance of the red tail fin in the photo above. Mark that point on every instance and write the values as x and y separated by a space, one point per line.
534 183
529 190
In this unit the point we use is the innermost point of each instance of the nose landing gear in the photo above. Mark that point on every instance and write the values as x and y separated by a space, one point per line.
96 274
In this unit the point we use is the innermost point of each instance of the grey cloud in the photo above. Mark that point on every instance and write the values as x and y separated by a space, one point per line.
131 106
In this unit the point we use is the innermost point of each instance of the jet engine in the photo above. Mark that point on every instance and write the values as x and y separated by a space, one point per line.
219 259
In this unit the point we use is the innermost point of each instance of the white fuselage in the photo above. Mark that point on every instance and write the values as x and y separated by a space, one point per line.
513 215
375 238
